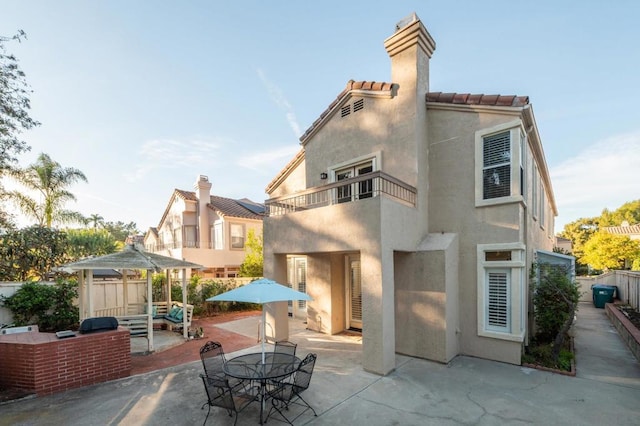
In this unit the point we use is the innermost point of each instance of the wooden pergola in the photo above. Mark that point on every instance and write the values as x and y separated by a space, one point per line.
130 258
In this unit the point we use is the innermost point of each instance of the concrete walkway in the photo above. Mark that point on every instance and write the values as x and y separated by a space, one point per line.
467 391
601 355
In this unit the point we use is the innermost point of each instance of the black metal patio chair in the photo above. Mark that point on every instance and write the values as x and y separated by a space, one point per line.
285 347
213 360
289 392
220 394
283 356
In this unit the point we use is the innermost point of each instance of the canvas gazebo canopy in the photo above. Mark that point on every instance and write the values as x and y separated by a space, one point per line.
131 257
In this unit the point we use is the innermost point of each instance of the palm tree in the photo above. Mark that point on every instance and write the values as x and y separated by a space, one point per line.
95 219
50 180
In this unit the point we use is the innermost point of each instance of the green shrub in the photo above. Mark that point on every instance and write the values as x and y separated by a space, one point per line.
199 290
555 299
51 307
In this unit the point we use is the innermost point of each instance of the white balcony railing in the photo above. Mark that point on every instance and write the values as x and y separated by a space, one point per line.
349 190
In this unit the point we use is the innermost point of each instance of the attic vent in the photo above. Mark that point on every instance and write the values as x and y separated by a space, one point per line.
358 105
346 110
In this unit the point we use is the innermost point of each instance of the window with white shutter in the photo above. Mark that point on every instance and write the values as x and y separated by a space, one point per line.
502 291
497 286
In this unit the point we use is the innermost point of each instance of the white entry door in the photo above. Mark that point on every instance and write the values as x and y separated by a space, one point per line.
354 292
297 279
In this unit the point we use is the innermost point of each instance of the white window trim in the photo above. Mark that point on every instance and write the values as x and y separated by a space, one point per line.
517 130
374 157
244 236
534 192
218 237
543 207
516 292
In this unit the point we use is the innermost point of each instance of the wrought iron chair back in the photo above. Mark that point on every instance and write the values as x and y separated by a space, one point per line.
285 347
212 356
285 393
220 394
213 360
302 377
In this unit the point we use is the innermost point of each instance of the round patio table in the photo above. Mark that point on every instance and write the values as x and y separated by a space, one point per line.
250 367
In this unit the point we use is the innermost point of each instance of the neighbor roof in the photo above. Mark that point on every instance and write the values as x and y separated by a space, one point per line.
243 208
236 208
623 230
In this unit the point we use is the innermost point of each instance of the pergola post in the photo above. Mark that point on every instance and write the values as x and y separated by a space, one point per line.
89 277
185 332
82 303
125 291
150 309
167 274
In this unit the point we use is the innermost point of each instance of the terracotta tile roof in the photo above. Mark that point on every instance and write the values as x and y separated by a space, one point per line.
478 99
623 230
187 195
226 206
235 208
373 86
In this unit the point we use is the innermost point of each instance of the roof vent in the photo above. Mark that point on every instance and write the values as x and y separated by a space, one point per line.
346 110
358 105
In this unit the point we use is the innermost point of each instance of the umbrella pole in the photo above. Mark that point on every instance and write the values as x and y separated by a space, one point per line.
264 330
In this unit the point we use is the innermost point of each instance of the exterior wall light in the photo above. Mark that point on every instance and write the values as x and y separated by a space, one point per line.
323 175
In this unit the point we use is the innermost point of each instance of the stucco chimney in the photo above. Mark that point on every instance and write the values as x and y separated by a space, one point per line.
203 193
410 49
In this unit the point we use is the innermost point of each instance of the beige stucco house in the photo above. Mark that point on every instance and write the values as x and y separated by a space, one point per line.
206 229
415 214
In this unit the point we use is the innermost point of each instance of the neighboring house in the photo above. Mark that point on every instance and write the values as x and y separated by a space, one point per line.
414 216
565 244
631 231
211 232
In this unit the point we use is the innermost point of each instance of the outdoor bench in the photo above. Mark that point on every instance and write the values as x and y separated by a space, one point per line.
171 317
136 324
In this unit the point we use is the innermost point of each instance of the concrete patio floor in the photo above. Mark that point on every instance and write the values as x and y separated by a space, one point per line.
606 389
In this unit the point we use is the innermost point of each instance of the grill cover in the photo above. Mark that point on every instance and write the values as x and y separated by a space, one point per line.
92 325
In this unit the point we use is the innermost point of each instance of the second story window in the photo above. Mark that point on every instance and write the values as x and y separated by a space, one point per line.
237 236
190 238
501 159
218 236
496 167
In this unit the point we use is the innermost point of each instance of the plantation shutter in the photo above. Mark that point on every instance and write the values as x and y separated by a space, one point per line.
498 300
496 162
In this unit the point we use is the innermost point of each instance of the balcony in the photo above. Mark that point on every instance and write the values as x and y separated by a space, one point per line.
365 186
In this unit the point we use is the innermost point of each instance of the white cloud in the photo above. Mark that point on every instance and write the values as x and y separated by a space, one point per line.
604 175
171 154
279 99
270 161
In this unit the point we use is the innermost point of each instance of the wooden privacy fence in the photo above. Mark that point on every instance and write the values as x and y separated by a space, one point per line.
627 282
108 296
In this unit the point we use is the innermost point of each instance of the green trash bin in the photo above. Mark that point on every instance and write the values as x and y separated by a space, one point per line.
602 294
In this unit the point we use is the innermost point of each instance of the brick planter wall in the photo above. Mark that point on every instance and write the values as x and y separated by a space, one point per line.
43 364
629 333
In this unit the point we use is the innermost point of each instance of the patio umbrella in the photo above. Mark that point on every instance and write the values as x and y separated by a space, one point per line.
261 291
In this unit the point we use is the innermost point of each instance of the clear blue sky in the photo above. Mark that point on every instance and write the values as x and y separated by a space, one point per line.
144 96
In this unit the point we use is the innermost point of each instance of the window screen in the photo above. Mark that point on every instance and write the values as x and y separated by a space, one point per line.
496 160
